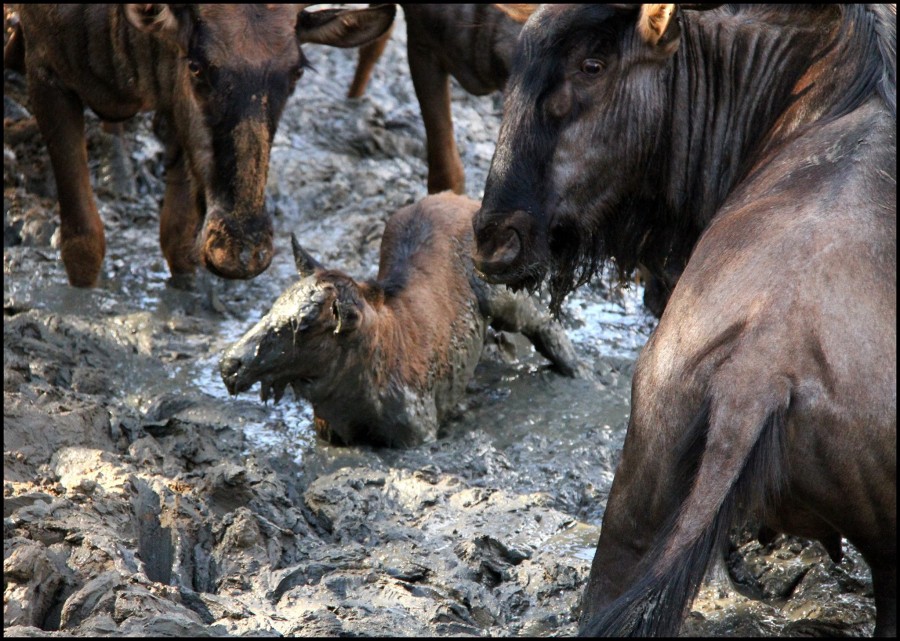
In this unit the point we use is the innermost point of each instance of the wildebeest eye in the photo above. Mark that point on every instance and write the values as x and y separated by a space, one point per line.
195 68
591 66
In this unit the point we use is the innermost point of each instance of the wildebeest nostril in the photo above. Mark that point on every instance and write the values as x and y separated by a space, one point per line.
499 251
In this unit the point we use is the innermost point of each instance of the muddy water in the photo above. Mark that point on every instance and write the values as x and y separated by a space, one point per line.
141 499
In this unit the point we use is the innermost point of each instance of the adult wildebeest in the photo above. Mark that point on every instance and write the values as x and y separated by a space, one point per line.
217 76
384 361
757 145
473 43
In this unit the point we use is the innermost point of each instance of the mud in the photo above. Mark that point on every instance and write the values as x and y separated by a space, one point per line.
139 499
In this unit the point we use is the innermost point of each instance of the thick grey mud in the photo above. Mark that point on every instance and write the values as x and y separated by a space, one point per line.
140 499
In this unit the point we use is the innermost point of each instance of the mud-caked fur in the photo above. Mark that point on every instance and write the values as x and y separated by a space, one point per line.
384 361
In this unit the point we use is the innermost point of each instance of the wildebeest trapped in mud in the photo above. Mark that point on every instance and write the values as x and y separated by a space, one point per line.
384 361
217 76
472 42
756 144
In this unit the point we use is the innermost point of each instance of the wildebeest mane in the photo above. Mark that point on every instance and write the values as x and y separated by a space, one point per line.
415 235
658 224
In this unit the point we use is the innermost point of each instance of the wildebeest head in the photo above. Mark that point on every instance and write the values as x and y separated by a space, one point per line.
306 339
588 90
237 66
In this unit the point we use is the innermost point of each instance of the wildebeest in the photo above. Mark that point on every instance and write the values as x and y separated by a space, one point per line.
217 77
384 361
471 42
757 146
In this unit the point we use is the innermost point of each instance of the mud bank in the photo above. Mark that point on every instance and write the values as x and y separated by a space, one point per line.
139 499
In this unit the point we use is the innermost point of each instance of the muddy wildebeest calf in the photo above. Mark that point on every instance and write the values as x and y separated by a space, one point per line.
217 76
471 42
757 145
382 362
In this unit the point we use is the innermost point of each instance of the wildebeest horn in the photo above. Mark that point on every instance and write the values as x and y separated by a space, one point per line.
306 264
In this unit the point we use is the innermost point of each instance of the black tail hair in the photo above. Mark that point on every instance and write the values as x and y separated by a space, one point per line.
658 603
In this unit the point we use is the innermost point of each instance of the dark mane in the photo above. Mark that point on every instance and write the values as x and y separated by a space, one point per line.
885 18
662 219
405 241
869 33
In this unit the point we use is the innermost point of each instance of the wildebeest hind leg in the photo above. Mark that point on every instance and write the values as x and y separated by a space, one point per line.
432 85
884 580
368 56
60 117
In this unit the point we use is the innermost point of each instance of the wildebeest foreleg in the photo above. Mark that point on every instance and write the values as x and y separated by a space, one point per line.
60 117
517 312
733 449
432 84
181 214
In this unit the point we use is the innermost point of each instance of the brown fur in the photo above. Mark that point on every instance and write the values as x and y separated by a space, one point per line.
123 59
474 44
385 361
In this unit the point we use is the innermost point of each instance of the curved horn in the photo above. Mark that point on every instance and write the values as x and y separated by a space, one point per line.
306 264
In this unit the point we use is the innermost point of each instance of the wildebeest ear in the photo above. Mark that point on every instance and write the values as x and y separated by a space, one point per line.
345 27
654 20
152 18
517 12
306 264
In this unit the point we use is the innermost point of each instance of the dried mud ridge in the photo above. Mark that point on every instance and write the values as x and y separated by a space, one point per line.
137 503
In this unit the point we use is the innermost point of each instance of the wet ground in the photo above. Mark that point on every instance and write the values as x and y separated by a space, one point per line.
140 499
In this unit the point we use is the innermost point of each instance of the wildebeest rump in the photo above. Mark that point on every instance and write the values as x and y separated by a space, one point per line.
384 361
473 43
756 145
217 77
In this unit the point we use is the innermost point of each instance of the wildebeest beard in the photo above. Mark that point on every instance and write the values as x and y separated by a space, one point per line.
582 247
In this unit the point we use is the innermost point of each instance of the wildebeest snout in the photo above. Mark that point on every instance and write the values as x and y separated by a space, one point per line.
502 253
236 368
236 248
239 365
230 367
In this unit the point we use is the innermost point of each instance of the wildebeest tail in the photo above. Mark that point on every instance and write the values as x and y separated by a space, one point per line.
750 477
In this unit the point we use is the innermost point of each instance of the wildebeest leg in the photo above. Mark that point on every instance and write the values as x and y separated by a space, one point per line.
432 84
516 312
368 56
325 432
662 526
14 50
60 117
646 491
180 217
884 581
120 176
